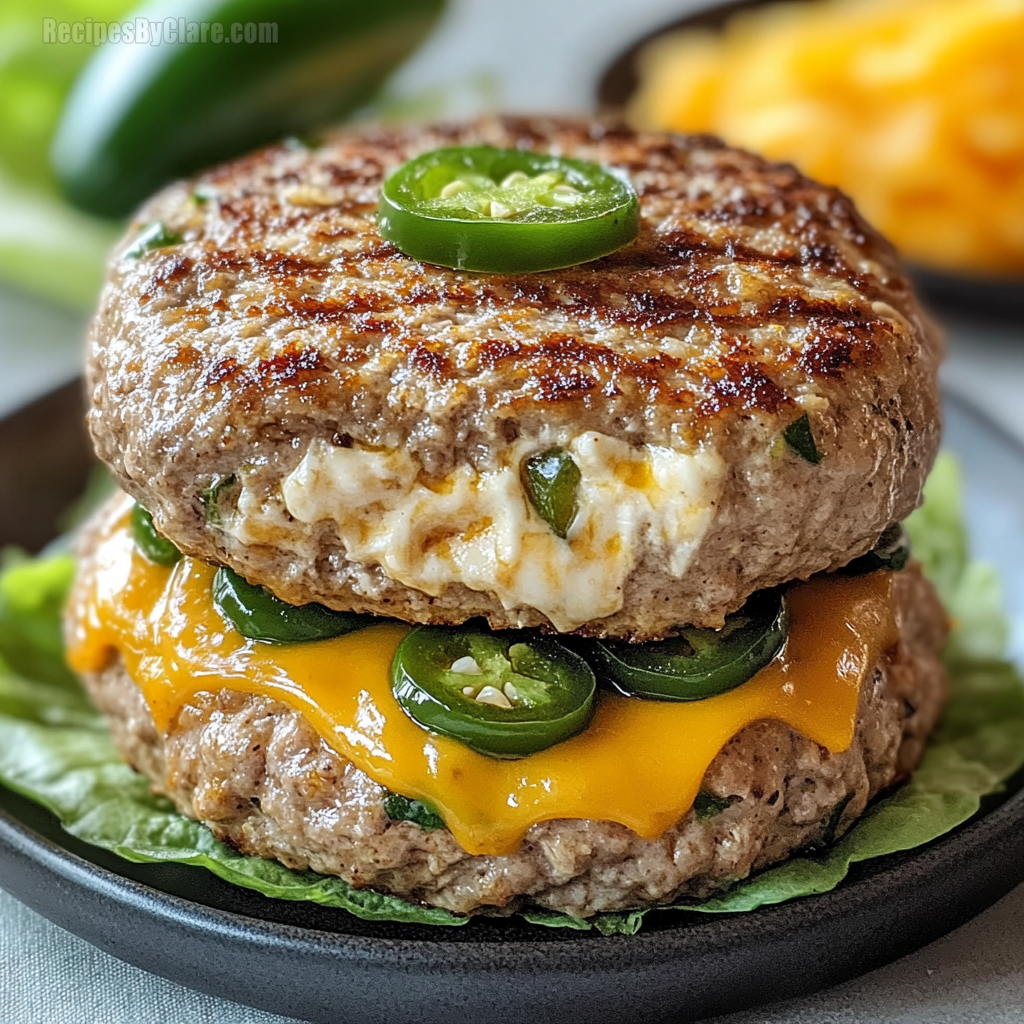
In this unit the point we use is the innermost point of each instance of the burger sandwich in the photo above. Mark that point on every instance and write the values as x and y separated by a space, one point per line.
510 512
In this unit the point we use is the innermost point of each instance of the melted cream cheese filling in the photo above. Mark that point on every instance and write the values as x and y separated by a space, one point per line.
477 527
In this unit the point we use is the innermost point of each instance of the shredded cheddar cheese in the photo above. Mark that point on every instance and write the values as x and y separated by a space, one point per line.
914 107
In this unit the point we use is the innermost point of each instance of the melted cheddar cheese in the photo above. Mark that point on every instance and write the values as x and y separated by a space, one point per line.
640 763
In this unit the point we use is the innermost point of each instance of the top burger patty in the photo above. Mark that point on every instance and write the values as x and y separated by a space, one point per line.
290 395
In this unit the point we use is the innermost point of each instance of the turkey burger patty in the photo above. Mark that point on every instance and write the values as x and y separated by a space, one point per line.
291 396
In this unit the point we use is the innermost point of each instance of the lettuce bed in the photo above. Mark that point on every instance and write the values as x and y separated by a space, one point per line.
54 748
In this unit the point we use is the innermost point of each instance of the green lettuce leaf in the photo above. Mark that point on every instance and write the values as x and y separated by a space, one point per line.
74 771
32 594
55 750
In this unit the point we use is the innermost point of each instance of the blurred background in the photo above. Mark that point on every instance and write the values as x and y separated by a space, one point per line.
462 56
915 107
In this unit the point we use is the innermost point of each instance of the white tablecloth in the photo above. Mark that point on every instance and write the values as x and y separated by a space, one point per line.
974 976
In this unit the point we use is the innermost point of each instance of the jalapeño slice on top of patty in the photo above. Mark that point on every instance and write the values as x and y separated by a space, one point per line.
699 663
505 695
506 211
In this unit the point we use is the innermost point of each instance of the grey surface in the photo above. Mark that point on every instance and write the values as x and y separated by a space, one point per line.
984 367
976 974
992 463
51 977
984 372
973 976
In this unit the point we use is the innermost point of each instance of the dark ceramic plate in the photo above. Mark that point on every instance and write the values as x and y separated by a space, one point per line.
319 964
996 299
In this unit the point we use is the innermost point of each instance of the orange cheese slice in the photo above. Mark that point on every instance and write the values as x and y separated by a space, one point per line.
639 763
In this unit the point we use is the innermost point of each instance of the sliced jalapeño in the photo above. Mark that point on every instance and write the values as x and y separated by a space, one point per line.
505 694
698 663
156 547
551 480
258 615
891 552
509 211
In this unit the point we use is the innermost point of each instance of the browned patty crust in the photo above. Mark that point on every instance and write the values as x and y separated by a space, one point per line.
751 296
261 778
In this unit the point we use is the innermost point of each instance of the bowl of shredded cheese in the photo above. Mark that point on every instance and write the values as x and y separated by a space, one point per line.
914 107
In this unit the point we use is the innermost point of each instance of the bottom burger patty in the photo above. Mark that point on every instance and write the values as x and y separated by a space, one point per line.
260 777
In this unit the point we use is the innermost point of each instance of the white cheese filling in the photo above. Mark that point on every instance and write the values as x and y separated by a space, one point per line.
478 528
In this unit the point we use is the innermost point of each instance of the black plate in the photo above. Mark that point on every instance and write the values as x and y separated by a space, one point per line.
323 965
1000 300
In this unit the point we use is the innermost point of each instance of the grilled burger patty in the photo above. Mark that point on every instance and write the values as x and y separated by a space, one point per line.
257 773
291 396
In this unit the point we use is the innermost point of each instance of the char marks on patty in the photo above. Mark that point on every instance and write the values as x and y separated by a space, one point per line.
751 296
